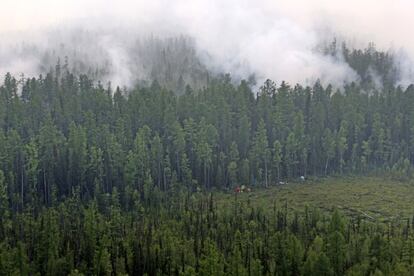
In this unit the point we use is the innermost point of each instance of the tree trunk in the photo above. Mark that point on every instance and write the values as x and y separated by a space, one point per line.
44 187
22 189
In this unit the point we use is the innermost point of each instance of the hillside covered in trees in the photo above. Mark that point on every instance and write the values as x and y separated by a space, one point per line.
98 180
207 137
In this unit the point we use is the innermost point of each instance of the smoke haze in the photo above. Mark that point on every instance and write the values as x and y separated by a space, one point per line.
270 39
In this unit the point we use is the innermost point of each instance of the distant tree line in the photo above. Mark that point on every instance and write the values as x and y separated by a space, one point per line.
172 61
375 68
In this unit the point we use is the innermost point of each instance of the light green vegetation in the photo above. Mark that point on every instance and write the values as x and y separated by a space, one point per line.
372 198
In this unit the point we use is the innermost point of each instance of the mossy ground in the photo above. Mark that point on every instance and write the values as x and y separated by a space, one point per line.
373 198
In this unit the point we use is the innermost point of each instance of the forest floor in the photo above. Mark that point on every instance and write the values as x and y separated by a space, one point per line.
372 198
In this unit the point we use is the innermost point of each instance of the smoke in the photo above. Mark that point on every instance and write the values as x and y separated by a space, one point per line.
267 38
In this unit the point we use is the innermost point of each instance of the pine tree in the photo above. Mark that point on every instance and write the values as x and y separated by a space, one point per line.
277 158
328 143
260 152
211 263
5 223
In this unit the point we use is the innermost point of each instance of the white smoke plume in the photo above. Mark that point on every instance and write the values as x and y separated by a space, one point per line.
268 38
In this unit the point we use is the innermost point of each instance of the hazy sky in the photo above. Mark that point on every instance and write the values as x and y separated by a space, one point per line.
388 21
240 36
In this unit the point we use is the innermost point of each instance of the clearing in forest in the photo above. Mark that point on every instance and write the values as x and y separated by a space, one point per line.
373 198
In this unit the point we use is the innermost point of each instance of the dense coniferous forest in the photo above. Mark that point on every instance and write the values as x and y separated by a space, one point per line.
97 180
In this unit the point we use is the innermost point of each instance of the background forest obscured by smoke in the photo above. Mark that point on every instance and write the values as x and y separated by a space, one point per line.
182 42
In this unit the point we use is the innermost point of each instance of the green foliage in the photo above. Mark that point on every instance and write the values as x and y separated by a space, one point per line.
187 234
100 183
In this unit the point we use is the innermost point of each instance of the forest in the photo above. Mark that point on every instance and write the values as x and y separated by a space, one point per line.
102 180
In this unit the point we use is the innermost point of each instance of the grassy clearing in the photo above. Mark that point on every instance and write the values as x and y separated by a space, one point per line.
374 198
